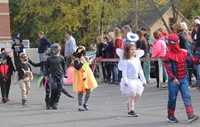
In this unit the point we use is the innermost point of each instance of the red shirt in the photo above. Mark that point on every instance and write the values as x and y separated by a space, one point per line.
4 69
118 44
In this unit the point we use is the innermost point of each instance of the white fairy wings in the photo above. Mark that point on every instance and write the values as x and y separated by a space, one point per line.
120 53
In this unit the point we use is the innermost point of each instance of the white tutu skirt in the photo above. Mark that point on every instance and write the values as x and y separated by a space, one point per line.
135 86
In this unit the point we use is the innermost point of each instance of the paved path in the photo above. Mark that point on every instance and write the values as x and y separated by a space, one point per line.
107 109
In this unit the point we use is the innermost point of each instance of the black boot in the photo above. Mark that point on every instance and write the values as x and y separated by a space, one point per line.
47 103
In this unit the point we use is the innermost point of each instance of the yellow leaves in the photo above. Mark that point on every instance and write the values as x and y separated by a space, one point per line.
160 2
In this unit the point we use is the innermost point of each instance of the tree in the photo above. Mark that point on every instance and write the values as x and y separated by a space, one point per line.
85 18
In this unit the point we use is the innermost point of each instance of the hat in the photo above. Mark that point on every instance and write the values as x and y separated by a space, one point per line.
17 37
22 55
173 38
80 51
54 49
131 37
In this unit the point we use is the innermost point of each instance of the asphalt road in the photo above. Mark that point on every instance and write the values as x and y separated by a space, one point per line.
107 109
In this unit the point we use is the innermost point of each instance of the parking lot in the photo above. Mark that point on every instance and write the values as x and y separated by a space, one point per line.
107 109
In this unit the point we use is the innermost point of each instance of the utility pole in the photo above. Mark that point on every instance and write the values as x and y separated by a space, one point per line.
136 16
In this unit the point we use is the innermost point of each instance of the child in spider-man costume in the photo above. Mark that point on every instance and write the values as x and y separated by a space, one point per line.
176 60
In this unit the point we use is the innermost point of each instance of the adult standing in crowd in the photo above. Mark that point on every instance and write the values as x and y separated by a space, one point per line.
196 39
127 30
100 53
44 44
62 50
179 30
159 51
109 53
118 43
143 44
70 47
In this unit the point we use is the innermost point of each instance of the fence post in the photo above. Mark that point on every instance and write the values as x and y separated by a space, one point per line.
160 67
100 71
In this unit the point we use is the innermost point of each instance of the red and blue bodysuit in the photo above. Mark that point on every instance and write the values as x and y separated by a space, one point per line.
176 60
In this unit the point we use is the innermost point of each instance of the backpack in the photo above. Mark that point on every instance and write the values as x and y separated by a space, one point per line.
28 75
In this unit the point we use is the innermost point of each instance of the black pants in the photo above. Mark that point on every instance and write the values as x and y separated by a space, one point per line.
104 71
56 89
8 87
157 73
47 95
3 89
108 70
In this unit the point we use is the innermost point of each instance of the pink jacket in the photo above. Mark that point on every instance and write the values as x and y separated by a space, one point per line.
70 75
159 48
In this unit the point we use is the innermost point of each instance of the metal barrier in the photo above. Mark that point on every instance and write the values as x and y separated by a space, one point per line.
160 66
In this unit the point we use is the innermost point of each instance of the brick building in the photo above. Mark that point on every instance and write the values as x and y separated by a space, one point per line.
4 20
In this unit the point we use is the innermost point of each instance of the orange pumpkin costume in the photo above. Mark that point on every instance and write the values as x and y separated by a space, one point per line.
84 79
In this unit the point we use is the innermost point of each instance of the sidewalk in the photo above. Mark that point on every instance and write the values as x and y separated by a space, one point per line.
107 109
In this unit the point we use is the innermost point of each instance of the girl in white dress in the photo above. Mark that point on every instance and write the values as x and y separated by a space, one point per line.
133 80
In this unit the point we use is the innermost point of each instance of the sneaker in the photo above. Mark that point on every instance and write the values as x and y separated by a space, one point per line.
24 102
81 108
4 100
48 107
172 119
54 107
132 114
85 107
192 118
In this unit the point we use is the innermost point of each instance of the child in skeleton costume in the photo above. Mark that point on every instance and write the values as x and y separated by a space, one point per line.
24 74
133 80
11 69
55 66
84 80
176 60
45 83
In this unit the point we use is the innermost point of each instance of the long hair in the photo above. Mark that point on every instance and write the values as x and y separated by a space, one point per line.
127 48
157 34
140 33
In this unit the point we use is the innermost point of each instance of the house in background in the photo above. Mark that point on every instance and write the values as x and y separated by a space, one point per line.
4 20
152 20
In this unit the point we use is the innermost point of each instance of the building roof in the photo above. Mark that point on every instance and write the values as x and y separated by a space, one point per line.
150 18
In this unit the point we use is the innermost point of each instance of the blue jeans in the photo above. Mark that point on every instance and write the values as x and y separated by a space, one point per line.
114 73
185 94
197 68
41 57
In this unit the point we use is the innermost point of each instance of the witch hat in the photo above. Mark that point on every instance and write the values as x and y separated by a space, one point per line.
17 37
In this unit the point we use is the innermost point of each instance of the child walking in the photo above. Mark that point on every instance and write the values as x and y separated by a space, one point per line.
130 84
84 80
11 69
176 61
55 72
24 74
5 77
46 84
17 48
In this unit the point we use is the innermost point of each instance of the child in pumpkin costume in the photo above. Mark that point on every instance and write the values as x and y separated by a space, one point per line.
84 80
